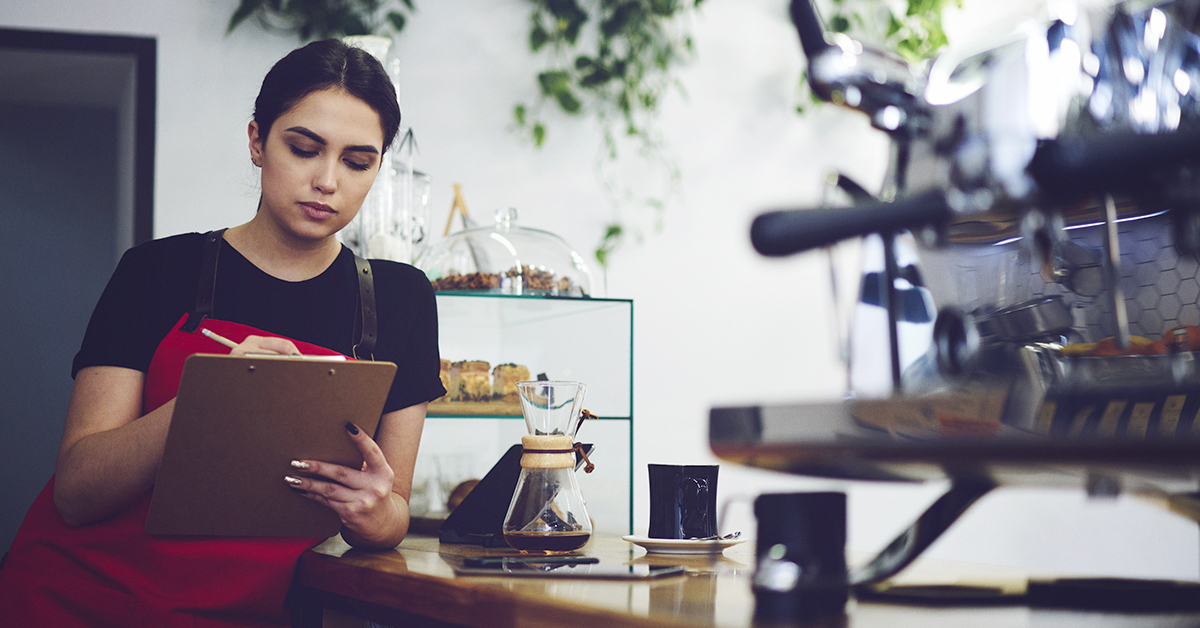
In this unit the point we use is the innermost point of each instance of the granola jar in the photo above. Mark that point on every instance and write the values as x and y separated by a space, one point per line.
506 259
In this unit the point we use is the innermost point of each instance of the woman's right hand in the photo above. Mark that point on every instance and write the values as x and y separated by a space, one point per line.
265 344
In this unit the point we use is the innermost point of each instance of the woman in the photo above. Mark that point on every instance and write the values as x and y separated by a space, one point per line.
279 283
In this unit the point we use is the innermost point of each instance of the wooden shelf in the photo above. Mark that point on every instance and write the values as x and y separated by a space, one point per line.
474 408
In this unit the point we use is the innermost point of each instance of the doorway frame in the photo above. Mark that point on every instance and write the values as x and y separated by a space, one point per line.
144 51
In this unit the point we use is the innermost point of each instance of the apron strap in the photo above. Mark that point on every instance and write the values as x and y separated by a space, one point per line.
366 304
207 287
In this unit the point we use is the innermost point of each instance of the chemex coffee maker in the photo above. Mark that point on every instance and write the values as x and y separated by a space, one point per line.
1029 310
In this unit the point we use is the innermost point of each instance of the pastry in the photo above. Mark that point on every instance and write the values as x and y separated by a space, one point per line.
504 382
444 375
540 280
469 381
470 281
459 493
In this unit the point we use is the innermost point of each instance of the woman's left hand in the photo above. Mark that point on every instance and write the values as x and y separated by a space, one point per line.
362 498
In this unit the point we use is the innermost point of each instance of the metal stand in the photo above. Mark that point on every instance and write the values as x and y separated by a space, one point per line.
936 519
891 302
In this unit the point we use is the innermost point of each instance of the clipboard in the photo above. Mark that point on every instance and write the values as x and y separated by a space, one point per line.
238 423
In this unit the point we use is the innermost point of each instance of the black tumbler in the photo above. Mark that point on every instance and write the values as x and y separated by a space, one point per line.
683 501
800 570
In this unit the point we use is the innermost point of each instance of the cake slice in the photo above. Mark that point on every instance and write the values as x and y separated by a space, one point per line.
504 382
469 381
444 375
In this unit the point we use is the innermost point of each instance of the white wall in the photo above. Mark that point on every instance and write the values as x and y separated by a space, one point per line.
715 324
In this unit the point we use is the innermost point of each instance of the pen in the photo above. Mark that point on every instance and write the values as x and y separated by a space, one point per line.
219 338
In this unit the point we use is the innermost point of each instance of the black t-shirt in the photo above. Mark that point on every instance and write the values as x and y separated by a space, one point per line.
155 284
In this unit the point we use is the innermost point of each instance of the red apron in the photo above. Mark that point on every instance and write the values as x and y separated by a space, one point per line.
111 573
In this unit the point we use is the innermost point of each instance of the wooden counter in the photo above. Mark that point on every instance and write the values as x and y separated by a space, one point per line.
415 585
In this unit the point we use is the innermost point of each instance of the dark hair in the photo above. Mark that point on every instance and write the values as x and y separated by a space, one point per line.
322 65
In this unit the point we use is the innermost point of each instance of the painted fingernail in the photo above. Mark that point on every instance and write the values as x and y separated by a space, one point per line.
352 428
299 464
291 480
299 490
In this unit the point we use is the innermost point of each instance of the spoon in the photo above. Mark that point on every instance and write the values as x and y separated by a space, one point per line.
717 537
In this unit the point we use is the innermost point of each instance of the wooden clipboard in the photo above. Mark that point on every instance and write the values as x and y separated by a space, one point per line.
239 422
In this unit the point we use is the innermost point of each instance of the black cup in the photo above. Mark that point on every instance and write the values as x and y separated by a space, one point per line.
683 501
800 563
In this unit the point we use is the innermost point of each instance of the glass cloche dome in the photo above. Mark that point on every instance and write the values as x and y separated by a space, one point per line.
506 259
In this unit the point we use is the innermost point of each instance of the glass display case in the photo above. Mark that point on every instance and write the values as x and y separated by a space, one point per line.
506 258
485 338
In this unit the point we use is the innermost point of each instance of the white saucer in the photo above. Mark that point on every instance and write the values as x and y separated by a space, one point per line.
681 546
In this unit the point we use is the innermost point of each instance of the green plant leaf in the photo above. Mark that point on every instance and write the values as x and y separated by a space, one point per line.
569 17
538 37
664 8
320 19
614 234
568 102
571 32
564 9
519 114
924 7
352 24
539 134
397 20
595 77
553 82
624 13
245 9
839 23
909 48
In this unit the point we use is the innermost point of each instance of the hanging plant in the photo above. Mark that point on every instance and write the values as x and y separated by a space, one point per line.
915 33
611 60
325 19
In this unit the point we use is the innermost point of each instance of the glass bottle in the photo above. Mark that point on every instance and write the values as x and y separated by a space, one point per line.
394 219
547 513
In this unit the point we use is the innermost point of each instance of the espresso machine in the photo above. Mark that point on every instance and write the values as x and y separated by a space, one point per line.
1030 313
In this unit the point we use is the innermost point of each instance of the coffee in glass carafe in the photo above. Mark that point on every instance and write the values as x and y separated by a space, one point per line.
547 513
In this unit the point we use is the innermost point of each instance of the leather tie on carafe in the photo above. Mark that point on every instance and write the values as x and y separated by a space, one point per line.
554 451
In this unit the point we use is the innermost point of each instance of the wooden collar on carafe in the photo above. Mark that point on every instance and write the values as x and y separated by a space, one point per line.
554 451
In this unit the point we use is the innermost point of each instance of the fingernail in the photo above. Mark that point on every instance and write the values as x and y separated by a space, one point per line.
300 464
299 490
352 428
291 480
